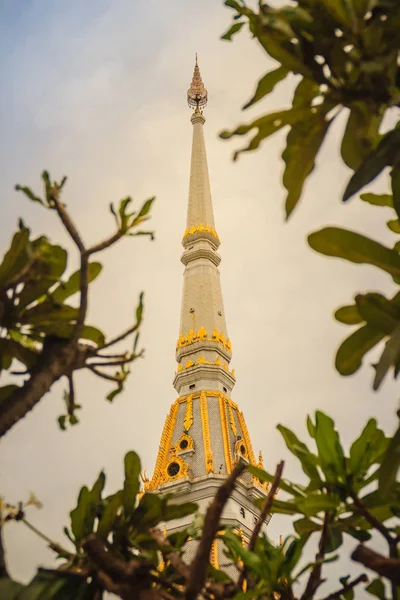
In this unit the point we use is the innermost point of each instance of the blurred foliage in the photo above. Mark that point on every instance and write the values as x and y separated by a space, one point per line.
42 336
345 56
117 544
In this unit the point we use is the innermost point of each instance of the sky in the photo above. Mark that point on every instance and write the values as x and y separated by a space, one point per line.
96 90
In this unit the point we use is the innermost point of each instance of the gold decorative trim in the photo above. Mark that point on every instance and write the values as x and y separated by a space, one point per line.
225 432
164 447
202 361
238 449
200 229
246 438
188 439
232 420
192 337
164 454
182 472
188 421
206 433
214 555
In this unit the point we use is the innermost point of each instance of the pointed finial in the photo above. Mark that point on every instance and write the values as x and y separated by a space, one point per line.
197 93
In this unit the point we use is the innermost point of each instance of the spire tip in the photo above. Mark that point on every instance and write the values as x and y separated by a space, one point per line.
197 94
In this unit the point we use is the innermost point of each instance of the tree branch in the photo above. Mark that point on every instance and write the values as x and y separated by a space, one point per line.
371 519
57 359
346 588
200 563
3 563
314 581
385 567
106 243
121 337
263 514
55 546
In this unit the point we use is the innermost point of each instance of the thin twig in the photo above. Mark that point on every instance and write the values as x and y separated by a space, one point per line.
84 260
346 588
71 396
314 580
211 522
116 363
263 514
121 337
104 375
55 546
106 243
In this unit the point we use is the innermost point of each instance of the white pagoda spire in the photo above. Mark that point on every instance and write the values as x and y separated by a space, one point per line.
205 433
203 349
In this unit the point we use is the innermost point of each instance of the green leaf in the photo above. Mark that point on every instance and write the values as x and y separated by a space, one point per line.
395 176
376 588
313 504
79 515
131 483
310 427
305 525
62 422
266 85
390 465
349 315
394 225
65 330
359 534
178 511
382 156
49 265
57 585
72 286
300 450
15 258
341 10
362 449
334 538
28 192
379 312
143 212
390 356
266 126
360 136
352 350
9 589
109 515
378 199
302 145
46 313
232 30
342 243
286 486
330 451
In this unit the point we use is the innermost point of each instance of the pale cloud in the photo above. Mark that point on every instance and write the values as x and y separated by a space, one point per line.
96 90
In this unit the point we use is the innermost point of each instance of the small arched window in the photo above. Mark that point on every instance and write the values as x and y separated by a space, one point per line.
242 512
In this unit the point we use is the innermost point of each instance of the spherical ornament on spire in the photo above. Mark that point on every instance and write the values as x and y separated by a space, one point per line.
197 93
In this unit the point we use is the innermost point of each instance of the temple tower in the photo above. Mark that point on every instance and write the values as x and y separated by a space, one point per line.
205 433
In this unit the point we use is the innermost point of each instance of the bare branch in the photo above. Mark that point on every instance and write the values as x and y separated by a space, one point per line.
106 243
55 546
3 563
314 580
385 567
346 588
57 359
371 519
114 378
263 514
121 337
71 395
201 560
